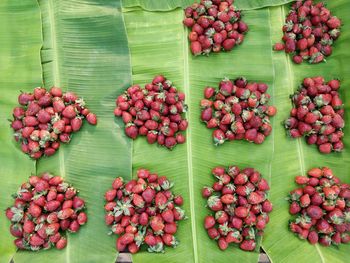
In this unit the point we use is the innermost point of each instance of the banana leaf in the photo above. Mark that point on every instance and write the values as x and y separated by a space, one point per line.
20 69
157 39
295 157
161 40
85 49
152 5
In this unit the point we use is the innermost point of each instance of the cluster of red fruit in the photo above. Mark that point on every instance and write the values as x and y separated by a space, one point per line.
45 119
154 111
143 211
239 200
318 114
309 32
44 208
322 207
215 25
238 110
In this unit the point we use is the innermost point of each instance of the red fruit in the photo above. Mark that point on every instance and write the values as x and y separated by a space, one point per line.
241 212
290 45
263 185
278 47
56 92
78 203
207 191
301 180
189 22
52 205
255 198
138 201
169 240
170 142
76 124
196 48
24 98
315 172
119 245
62 243
65 213
34 210
314 212
30 121
345 238
91 118
294 208
133 248
325 148
297 59
82 218
157 224
334 22
248 245
227 199
131 131
209 222
228 44
305 200
17 230
117 183
110 195
143 219
222 243
36 241
213 233
214 203
28 226
218 137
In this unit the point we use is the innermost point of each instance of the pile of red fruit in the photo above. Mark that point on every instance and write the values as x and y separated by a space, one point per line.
309 32
143 211
215 25
318 114
45 119
44 208
321 207
154 111
239 200
237 110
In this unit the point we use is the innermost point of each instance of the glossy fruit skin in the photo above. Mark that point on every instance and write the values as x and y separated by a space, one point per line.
237 110
318 208
214 27
155 111
239 207
40 222
48 118
317 114
144 211
309 32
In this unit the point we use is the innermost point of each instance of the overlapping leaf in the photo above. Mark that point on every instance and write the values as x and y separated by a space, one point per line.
85 50
295 157
152 5
160 40
280 158
20 69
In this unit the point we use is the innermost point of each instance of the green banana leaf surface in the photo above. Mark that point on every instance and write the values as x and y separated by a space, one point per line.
97 49
20 69
152 5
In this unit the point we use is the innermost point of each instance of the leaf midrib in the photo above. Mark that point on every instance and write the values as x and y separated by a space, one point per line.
56 70
56 82
189 146
290 77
